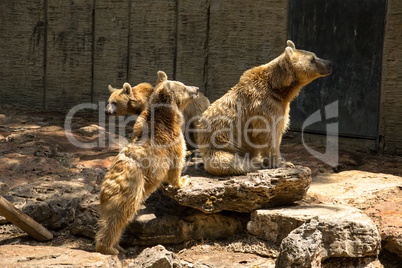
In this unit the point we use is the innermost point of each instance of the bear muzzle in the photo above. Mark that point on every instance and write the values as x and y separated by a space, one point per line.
194 92
325 67
110 110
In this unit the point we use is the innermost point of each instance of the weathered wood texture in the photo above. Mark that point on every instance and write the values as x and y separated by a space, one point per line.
391 86
152 39
242 34
22 220
69 53
22 31
111 37
192 42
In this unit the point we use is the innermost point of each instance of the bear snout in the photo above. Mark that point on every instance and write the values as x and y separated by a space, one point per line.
324 67
110 110
194 91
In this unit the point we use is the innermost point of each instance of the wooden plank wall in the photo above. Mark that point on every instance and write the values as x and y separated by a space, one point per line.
22 42
391 86
57 54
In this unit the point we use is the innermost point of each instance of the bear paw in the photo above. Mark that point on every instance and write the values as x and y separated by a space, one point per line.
184 181
286 165
107 251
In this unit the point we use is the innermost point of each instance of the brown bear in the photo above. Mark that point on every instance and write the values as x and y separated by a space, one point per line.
133 101
241 132
128 100
156 154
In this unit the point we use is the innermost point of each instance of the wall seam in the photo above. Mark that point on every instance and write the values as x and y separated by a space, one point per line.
206 50
128 62
45 55
176 11
93 51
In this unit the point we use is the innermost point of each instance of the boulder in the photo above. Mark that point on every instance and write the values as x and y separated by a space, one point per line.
51 203
246 193
4 188
302 247
161 221
156 257
389 213
379 195
346 231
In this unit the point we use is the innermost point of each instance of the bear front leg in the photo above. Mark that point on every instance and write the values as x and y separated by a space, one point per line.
279 161
174 178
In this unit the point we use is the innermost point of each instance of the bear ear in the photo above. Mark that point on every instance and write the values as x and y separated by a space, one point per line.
127 89
111 89
289 52
291 44
161 77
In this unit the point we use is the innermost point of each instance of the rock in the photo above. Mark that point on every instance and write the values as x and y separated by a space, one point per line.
354 187
302 247
389 213
378 194
52 204
22 256
18 202
367 262
262 189
346 231
86 216
164 221
161 221
156 257
4 188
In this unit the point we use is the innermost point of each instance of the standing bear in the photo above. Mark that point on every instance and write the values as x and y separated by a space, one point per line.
156 154
132 100
241 132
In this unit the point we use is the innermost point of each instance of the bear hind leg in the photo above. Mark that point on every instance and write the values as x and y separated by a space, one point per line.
223 163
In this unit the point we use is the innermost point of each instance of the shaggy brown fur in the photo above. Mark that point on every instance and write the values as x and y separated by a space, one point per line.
128 100
133 101
156 154
242 131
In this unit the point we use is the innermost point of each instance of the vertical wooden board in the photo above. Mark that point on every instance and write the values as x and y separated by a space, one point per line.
69 54
242 34
192 42
152 39
111 46
391 80
22 30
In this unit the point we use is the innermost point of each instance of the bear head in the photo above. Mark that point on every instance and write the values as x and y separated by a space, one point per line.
306 65
119 100
128 100
175 91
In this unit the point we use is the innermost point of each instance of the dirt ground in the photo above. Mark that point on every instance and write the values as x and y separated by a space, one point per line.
34 146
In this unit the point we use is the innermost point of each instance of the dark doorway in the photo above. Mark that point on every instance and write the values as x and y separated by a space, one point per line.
350 34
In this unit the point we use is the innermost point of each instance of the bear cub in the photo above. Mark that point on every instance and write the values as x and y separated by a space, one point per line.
155 155
132 100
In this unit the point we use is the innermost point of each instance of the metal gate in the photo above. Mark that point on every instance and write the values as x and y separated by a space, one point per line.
350 34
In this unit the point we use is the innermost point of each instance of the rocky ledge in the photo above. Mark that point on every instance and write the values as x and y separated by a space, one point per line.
262 189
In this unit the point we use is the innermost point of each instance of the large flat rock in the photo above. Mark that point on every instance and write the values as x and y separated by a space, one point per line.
45 256
346 231
379 195
263 189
